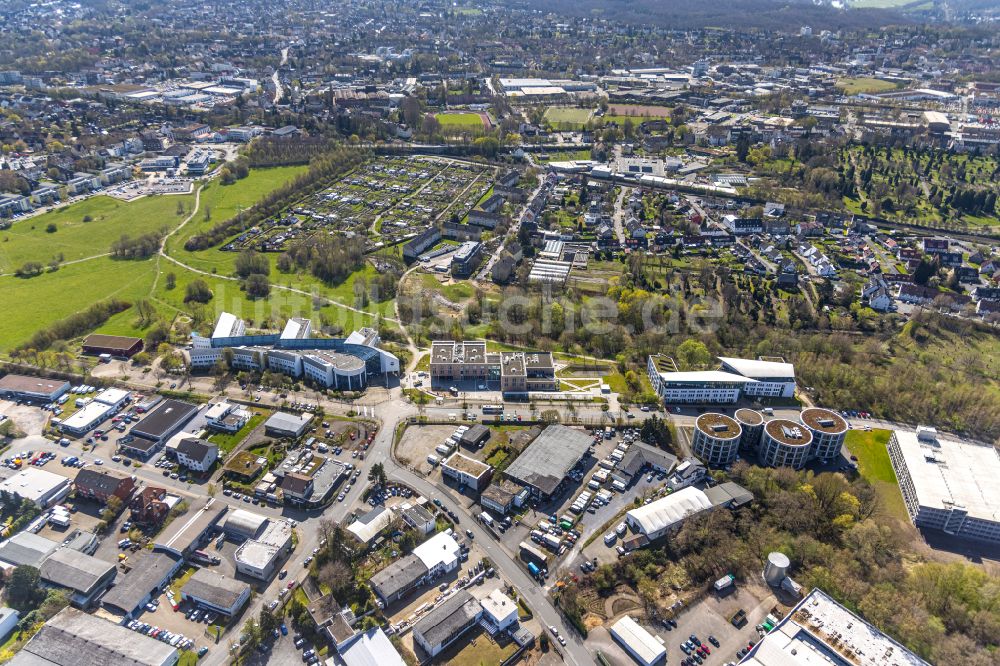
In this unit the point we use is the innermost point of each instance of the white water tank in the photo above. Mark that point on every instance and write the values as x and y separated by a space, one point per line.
776 569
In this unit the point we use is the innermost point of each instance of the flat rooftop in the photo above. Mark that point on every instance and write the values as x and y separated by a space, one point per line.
26 384
821 632
473 468
512 364
446 351
718 426
164 418
749 417
788 432
824 420
550 457
948 473
346 362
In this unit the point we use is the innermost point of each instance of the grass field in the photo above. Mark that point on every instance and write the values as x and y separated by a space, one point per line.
853 86
35 303
227 441
562 116
459 119
874 465
27 240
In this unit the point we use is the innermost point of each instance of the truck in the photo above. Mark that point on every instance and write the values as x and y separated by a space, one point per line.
486 518
531 554
553 542
724 582
533 568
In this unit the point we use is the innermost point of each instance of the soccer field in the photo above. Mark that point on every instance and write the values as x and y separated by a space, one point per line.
557 115
460 119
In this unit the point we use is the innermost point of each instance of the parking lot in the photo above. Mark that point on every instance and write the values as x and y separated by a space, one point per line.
593 518
708 617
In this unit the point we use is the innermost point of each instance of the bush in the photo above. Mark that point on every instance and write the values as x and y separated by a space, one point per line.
198 292
51 228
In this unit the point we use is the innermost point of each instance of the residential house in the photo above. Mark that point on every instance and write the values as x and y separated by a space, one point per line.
101 484
149 507
197 454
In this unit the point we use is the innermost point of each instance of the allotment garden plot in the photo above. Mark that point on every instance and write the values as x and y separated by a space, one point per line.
383 201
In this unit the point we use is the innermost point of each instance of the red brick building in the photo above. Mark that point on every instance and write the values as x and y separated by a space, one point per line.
99 485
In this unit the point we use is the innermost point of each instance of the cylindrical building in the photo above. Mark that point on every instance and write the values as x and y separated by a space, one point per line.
752 424
716 439
776 568
785 444
828 431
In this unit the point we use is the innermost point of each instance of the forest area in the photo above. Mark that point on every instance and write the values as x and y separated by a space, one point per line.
838 539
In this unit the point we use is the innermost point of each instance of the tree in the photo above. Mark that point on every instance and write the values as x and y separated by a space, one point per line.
257 286
252 263
171 280
377 475
337 576
268 622
655 430
198 292
693 354
24 591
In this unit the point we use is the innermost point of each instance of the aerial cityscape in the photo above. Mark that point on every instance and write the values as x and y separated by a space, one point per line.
496 332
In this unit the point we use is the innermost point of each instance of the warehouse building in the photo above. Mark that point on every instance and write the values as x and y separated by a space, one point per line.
467 472
821 631
85 577
261 556
32 389
214 591
948 485
241 525
158 426
118 346
85 419
785 443
475 437
370 648
191 531
716 439
445 624
543 466
644 647
75 638
38 486
828 432
283 424
148 576
668 513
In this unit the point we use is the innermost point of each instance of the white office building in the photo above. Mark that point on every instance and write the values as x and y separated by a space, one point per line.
771 378
947 484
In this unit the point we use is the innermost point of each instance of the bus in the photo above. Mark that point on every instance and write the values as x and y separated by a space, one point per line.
492 409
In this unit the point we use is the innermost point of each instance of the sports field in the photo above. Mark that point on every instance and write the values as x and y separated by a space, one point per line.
854 86
469 120
561 116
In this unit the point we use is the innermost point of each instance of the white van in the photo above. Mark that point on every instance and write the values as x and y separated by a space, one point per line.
433 460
